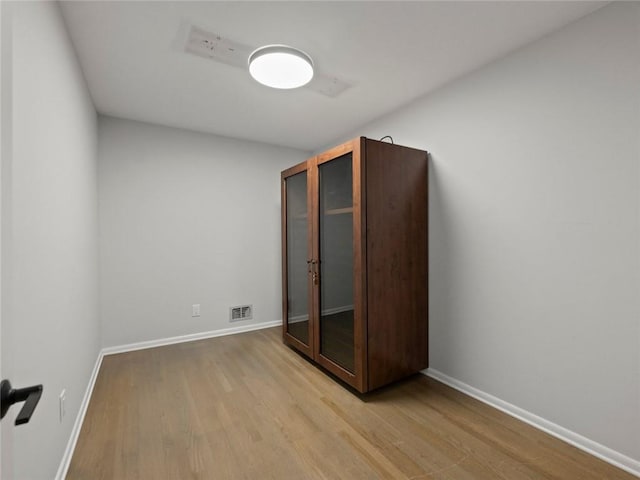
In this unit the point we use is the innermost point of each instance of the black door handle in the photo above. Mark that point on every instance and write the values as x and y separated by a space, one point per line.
29 395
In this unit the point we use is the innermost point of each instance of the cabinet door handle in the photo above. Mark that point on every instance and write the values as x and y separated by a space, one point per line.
312 266
29 395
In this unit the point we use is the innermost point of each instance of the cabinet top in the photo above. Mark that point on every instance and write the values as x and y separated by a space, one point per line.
358 146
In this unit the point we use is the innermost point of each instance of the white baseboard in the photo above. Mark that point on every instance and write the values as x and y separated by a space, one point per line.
77 426
613 457
189 338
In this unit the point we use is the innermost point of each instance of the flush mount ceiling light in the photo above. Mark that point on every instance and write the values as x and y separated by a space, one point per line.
281 66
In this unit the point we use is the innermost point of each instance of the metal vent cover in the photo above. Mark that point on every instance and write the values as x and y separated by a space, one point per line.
212 46
241 312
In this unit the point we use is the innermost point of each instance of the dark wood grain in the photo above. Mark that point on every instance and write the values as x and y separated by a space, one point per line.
396 262
248 407
390 284
360 264
313 228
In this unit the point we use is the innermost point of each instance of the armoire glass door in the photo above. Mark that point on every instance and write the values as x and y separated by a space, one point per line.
297 256
336 264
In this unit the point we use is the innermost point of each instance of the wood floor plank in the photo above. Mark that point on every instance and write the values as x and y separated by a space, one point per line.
246 407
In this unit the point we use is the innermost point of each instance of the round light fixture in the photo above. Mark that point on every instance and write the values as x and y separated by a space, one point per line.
281 66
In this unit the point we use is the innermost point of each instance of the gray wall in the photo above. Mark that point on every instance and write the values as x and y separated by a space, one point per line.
6 142
186 218
50 226
534 226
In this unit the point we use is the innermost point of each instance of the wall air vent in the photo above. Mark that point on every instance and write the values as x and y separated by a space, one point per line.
243 312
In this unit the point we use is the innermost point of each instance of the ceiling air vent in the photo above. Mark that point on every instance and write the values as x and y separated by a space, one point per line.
214 47
243 312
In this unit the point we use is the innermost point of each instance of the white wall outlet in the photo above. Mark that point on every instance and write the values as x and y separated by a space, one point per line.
63 399
195 310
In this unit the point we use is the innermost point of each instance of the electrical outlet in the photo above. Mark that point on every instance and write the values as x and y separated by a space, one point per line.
63 399
195 310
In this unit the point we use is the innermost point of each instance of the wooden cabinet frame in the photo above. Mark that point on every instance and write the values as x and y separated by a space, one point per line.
358 378
405 163
287 337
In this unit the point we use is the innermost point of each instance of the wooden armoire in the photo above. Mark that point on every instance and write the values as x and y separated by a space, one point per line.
354 261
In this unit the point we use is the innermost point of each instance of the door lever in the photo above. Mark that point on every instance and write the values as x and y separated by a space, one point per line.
29 395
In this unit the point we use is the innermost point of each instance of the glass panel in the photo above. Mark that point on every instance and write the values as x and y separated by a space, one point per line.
297 255
336 261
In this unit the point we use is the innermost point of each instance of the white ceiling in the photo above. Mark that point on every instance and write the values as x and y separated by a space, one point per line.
390 52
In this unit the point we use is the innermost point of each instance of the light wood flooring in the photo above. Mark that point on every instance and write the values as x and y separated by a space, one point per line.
247 407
